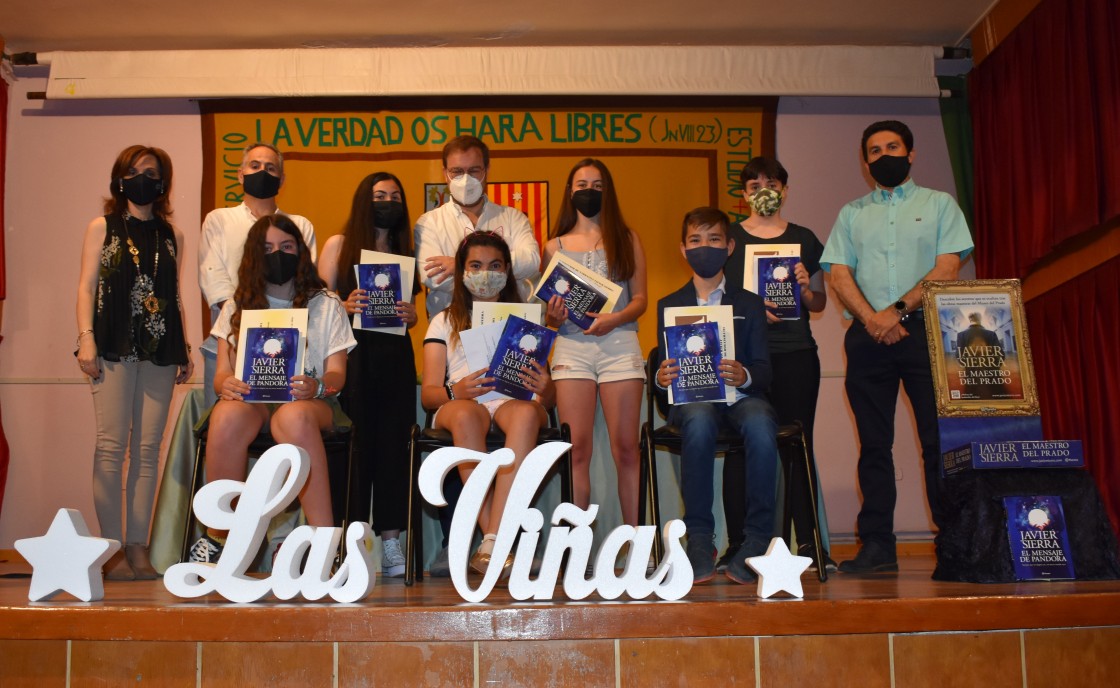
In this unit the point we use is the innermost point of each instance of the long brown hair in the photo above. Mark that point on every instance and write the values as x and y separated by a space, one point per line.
617 242
459 312
359 231
251 283
117 203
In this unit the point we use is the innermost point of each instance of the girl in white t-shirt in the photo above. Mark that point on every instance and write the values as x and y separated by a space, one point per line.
276 272
483 272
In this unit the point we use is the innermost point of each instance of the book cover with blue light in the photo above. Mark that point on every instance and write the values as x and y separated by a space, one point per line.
777 284
521 343
1036 527
270 346
751 254
407 267
697 349
382 282
582 290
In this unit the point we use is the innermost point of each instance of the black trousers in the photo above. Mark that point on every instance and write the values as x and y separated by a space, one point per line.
380 399
874 373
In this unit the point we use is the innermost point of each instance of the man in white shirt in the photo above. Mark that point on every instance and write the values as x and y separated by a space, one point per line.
466 164
223 239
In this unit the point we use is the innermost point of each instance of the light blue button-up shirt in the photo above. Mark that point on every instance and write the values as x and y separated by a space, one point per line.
891 240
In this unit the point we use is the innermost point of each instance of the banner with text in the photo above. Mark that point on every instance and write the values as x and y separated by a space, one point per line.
664 161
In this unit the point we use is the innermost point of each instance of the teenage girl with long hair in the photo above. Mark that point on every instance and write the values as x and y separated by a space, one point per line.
605 360
483 272
380 396
276 272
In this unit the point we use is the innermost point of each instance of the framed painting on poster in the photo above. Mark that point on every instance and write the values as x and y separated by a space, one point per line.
979 349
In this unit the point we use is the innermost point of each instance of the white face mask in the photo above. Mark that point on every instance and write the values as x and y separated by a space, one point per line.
484 284
465 189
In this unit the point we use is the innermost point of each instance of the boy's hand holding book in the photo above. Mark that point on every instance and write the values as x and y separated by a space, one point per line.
733 372
667 372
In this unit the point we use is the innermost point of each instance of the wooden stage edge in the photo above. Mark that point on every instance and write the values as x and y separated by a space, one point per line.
909 602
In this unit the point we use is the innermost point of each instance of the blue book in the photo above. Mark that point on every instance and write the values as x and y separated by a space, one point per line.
776 283
583 292
1036 527
382 282
696 348
521 343
271 360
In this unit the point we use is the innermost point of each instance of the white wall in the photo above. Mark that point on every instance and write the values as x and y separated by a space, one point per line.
59 157
818 143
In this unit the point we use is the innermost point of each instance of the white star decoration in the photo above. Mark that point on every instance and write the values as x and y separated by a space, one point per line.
779 570
67 559
517 196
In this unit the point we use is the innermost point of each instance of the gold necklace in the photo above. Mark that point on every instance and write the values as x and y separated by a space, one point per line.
151 303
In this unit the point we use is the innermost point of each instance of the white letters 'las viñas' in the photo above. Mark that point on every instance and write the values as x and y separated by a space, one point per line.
272 485
571 533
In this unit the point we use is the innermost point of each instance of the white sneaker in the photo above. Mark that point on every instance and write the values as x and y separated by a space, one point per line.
392 559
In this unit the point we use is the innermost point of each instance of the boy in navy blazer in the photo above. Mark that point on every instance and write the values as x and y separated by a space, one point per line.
706 245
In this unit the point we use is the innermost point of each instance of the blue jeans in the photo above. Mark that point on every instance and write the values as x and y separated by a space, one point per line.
753 419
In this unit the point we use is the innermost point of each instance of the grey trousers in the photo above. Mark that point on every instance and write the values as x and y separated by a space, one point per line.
130 403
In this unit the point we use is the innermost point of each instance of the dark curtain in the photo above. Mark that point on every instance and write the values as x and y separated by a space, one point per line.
1046 121
956 121
1074 331
1046 124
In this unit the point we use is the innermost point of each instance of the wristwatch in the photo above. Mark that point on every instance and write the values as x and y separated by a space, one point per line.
900 306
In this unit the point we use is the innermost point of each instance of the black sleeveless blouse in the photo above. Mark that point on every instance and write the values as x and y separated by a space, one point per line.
137 316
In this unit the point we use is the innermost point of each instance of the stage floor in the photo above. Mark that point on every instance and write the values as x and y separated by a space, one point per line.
432 610
894 630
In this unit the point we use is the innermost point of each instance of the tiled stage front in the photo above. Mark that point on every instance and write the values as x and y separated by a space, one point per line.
903 630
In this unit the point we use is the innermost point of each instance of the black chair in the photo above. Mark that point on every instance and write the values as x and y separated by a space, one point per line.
428 439
338 442
792 448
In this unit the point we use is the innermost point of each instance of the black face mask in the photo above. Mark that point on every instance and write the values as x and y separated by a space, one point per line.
890 170
280 267
588 202
141 190
387 214
706 261
261 184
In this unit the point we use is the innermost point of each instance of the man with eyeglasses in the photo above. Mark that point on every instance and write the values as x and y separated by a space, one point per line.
466 164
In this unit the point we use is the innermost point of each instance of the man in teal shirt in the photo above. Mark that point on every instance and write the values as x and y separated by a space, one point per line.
881 248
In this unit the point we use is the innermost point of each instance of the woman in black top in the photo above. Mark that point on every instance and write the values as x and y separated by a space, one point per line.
131 345
380 394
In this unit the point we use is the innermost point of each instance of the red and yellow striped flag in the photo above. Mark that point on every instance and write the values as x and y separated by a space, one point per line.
530 198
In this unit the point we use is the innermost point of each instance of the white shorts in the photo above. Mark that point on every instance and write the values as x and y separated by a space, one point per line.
610 358
492 406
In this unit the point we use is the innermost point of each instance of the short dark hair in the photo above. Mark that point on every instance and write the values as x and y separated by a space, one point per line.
887 125
465 143
705 216
763 167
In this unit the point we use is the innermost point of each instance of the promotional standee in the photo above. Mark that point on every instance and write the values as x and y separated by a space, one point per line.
307 566
1018 506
